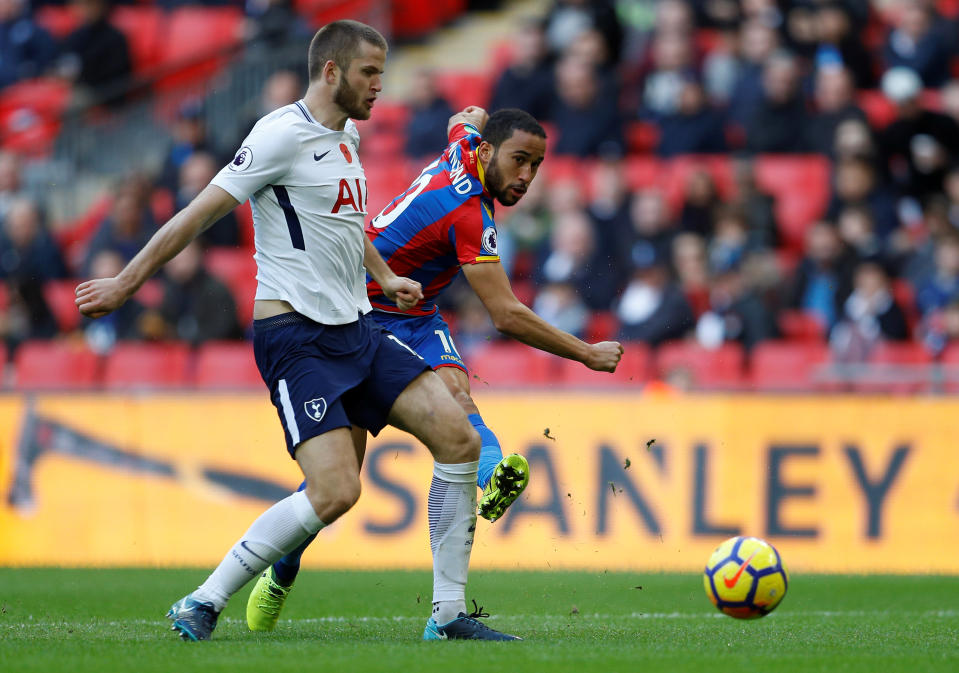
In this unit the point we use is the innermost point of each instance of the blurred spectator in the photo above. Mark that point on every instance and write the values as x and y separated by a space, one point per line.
566 19
949 96
730 244
835 103
918 146
653 308
915 43
473 325
562 307
195 174
839 44
755 206
870 315
823 278
573 259
699 203
103 333
272 25
11 187
854 139
96 55
779 121
527 82
26 49
650 226
856 184
27 315
27 250
858 231
196 307
609 210
757 41
280 89
189 135
721 66
942 286
940 329
429 115
692 270
587 122
126 229
694 128
736 311
672 66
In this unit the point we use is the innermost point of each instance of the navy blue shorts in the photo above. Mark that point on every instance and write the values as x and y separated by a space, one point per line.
323 377
427 335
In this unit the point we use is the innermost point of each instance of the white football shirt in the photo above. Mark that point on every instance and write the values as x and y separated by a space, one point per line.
308 193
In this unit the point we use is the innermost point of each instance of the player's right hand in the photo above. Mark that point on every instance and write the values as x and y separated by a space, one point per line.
472 115
604 356
100 296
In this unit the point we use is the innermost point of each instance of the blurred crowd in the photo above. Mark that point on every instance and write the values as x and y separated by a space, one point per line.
868 87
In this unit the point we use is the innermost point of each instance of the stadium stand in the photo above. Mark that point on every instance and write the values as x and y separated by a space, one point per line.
140 366
61 364
226 365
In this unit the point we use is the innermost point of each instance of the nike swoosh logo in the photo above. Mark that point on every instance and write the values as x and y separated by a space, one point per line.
317 157
243 544
730 583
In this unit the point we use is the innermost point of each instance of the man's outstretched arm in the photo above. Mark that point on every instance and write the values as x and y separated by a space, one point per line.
100 296
515 319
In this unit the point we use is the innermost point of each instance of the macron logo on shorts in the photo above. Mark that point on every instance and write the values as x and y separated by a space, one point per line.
316 409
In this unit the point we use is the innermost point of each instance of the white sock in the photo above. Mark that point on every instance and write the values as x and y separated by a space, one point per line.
452 517
277 531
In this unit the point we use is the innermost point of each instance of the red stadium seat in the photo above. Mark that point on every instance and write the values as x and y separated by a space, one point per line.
675 174
55 365
632 372
800 185
602 326
786 365
709 368
509 364
898 367
144 28
61 298
462 89
30 113
197 42
134 365
801 326
60 21
227 365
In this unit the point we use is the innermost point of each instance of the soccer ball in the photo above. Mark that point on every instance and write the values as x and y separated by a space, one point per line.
745 578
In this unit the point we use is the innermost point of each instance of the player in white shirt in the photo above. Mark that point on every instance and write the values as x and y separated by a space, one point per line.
333 373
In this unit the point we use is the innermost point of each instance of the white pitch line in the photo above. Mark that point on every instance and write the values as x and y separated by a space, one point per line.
334 619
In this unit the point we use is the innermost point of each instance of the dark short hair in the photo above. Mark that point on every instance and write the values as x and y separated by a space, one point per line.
502 124
339 42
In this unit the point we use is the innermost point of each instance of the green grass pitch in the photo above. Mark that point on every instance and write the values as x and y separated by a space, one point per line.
112 620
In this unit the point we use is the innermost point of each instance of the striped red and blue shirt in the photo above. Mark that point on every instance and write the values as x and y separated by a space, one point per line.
442 221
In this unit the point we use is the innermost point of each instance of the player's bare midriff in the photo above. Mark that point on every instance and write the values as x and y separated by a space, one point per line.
267 308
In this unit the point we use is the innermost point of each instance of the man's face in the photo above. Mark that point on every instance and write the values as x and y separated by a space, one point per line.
361 82
513 166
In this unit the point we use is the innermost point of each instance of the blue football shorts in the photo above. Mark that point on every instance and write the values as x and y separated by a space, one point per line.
323 377
427 335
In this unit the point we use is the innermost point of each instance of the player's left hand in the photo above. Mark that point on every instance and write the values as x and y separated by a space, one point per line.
604 356
406 292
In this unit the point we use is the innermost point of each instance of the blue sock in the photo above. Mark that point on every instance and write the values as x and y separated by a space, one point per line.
285 570
490 454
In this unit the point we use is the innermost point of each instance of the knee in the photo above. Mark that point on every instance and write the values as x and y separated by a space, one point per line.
463 399
464 445
334 500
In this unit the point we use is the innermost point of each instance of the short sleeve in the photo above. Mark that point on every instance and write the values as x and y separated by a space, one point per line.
475 233
264 158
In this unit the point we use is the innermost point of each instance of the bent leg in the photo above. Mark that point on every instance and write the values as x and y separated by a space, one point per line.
458 383
328 462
